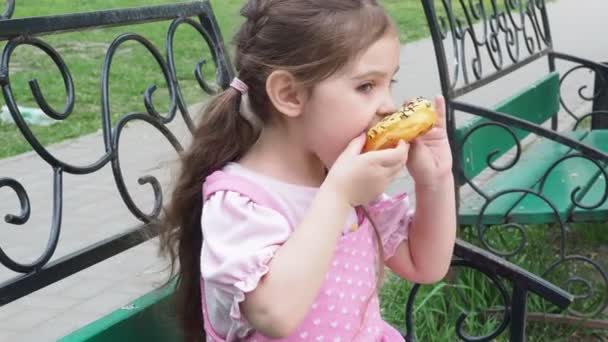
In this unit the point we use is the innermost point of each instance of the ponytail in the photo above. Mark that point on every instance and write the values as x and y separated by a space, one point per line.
221 136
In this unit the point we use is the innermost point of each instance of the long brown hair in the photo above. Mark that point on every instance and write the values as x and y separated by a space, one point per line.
311 39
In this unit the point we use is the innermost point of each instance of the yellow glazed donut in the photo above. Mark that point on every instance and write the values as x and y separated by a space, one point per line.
412 120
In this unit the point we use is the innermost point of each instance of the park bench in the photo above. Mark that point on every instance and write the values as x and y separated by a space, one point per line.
149 317
532 158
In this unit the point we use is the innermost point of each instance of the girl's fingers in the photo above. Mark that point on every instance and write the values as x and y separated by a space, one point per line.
391 156
440 109
356 145
394 171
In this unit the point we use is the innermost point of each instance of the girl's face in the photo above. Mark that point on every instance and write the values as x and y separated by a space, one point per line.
350 101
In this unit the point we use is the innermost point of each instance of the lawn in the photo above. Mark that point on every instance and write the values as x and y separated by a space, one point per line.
439 306
133 68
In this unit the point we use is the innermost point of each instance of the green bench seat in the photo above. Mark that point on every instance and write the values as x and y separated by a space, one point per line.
148 318
536 103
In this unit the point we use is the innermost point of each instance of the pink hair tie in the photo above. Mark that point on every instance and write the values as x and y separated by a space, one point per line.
239 85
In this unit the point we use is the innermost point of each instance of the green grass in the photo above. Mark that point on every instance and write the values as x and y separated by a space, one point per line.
438 306
133 68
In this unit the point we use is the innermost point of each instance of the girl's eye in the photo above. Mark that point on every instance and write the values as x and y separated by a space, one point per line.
393 81
366 87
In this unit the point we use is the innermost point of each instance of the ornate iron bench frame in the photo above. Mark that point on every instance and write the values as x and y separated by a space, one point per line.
477 43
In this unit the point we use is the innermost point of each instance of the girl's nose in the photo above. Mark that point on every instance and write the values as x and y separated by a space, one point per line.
387 107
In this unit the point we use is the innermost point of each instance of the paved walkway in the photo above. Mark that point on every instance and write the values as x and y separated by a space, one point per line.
93 209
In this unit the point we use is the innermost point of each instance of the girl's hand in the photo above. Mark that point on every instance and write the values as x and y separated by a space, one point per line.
430 157
360 178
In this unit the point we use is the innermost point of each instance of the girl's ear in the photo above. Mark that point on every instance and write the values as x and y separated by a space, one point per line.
285 94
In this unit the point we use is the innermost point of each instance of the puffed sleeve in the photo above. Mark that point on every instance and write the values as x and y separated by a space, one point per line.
240 238
393 216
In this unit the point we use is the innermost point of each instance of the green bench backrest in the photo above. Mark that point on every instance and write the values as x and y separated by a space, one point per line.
536 103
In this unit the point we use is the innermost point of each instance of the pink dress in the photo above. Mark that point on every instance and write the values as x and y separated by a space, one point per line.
244 223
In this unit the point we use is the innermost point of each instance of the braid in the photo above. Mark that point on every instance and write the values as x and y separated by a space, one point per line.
256 14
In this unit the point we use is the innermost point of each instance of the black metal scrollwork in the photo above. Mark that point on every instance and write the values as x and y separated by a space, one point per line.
575 191
477 42
490 157
584 93
111 132
595 300
9 10
23 218
498 27
207 88
44 106
460 321
502 305
154 118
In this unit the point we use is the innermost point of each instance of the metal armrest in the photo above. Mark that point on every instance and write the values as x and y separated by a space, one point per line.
579 60
497 269
482 259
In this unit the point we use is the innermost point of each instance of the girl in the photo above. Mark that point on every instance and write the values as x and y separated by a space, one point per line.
296 227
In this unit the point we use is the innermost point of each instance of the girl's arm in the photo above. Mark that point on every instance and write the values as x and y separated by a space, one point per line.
424 257
286 293
297 271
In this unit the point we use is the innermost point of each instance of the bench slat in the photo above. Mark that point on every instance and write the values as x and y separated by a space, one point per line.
525 174
536 103
148 318
599 139
566 177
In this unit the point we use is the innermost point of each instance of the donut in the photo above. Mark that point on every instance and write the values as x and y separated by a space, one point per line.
413 119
